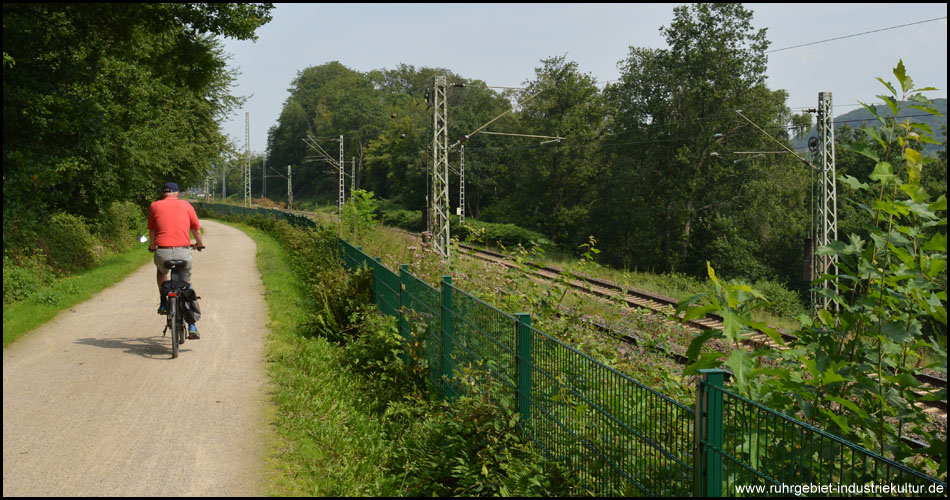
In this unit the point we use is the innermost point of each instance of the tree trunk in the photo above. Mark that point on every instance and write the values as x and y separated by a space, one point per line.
684 250
667 237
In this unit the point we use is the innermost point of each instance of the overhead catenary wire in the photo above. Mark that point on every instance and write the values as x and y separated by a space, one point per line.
854 35
806 162
466 137
664 140
526 135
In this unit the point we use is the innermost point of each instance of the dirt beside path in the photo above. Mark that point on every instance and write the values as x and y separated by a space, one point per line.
93 404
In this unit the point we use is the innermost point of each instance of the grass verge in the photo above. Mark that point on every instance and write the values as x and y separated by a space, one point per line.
325 444
23 317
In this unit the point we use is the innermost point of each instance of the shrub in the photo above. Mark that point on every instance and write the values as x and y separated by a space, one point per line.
507 235
68 244
121 223
782 301
471 447
22 279
410 220
359 214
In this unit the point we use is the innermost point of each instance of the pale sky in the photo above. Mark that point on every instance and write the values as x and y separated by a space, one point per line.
502 44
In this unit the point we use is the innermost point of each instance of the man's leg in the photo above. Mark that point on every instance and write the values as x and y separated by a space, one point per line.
161 275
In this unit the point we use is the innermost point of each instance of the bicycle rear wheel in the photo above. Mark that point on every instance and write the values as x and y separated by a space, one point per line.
174 314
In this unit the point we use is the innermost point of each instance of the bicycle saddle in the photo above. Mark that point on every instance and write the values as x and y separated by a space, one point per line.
174 264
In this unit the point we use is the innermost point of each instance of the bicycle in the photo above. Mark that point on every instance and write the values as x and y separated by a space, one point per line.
175 318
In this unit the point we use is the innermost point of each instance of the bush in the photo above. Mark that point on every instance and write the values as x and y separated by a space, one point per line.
471 447
507 235
22 279
68 244
782 301
121 223
336 295
410 220
359 214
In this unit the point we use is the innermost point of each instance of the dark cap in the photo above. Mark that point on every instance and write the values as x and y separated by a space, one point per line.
170 187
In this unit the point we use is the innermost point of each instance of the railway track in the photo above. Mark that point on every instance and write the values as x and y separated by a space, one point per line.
666 306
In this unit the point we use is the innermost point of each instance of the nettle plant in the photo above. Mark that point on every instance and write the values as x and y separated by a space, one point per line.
852 368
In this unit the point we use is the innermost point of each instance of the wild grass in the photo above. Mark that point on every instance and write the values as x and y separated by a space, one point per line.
325 444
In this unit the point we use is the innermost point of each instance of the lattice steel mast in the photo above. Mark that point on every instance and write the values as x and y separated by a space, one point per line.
440 170
247 159
827 209
461 208
342 195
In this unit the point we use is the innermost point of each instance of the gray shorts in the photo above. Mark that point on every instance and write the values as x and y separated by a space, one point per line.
177 253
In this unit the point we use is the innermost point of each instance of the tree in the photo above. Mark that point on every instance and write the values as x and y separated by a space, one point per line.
673 131
326 101
544 182
105 102
801 124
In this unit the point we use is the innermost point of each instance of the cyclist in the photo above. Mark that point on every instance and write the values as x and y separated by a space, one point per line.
169 220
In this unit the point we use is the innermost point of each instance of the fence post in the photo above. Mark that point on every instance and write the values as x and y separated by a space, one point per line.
403 307
345 246
707 470
350 256
377 288
341 251
523 365
448 333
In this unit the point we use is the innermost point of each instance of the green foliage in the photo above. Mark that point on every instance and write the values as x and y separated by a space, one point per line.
852 368
674 196
410 220
42 252
470 447
359 214
734 302
782 302
105 102
335 295
374 351
68 244
121 224
503 235
22 279
544 187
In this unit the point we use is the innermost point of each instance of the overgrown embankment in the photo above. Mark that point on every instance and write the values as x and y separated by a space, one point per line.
351 417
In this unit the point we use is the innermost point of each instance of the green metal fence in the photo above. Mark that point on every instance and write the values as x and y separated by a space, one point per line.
619 436
623 437
238 211
750 449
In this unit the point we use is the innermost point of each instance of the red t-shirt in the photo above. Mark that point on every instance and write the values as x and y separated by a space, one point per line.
171 219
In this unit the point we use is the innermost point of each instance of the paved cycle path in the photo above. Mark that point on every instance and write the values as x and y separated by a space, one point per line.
93 404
